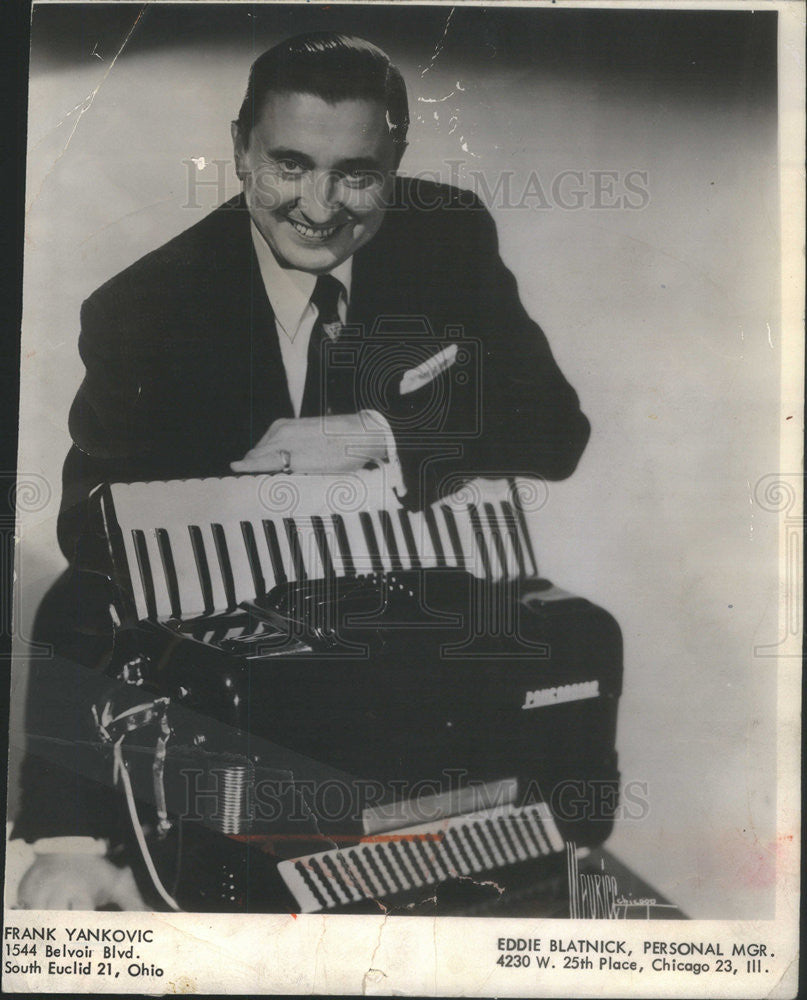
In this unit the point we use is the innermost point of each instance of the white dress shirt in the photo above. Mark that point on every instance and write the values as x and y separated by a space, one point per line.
289 293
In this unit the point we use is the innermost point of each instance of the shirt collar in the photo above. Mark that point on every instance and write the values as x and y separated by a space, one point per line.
290 291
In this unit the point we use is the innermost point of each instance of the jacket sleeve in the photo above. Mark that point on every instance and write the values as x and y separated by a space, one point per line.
524 417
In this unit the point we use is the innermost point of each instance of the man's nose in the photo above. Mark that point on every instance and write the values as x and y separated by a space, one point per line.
319 197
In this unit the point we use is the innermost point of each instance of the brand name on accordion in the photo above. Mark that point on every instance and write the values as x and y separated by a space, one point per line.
567 692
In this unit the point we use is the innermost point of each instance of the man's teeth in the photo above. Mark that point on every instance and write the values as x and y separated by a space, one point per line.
320 233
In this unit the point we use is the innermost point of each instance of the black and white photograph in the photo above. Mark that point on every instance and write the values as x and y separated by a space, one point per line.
408 501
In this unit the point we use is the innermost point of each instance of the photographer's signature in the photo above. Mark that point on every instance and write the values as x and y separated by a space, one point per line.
597 895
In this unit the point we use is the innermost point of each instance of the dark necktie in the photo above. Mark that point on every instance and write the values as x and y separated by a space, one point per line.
328 388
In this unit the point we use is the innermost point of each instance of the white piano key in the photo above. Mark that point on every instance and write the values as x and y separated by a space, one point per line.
498 857
191 598
383 850
189 584
532 820
423 539
513 570
312 559
356 543
459 851
441 524
381 542
370 885
376 869
505 843
464 832
239 562
328 535
548 821
329 856
393 523
412 870
473 562
485 854
495 540
216 578
271 576
351 878
158 575
138 588
283 547
514 839
532 850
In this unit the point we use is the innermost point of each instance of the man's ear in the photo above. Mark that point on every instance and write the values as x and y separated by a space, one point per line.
239 152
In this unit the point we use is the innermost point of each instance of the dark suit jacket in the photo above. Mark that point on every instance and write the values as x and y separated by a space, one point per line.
184 375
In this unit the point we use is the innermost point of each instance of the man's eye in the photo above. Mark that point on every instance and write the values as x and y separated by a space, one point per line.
291 168
359 178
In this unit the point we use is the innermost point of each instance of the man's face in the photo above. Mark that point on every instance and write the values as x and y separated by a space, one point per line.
317 177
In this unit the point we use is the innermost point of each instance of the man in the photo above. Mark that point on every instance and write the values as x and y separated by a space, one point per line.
264 338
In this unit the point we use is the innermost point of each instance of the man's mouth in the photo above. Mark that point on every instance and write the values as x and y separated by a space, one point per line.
314 232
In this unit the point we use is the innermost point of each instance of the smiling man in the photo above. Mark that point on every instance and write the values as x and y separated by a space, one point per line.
334 314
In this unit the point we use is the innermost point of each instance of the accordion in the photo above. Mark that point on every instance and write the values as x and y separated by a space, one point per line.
322 701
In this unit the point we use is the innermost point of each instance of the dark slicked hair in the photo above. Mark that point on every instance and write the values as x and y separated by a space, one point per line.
332 67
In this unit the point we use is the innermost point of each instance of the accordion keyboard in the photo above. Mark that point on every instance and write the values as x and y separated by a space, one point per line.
427 854
201 547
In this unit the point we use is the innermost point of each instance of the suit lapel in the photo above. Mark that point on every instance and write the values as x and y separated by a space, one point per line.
251 330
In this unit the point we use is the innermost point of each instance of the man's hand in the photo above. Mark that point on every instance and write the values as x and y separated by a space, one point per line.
317 444
77 882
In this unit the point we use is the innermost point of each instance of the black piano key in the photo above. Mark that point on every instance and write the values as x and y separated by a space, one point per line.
409 538
304 874
389 537
437 543
454 535
506 837
496 535
522 523
494 836
483 840
429 860
344 545
144 565
394 877
270 532
253 558
322 545
172 583
474 850
220 541
533 838
202 567
370 881
459 848
424 871
295 548
519 836
387 885
452 856
396 850
515 538
326 880
372 544
481 544
337 875
536 818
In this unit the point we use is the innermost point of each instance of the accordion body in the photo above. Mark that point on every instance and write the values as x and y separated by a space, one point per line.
361 706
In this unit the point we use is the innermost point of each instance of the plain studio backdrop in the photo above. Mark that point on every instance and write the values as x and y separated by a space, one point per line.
664 316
